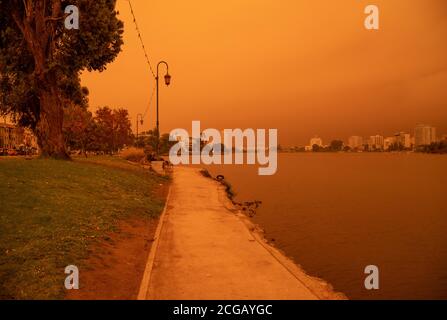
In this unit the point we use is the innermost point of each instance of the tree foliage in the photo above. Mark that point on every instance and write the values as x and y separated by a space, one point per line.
435 147
79 129
113 129
336 145
40 60
107 131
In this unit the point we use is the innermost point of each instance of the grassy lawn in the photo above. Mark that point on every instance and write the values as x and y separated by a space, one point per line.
51 212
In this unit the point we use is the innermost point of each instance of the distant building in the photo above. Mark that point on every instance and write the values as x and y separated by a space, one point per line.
388 142
376 142
424 135
355 142
404 140
13 137
29 139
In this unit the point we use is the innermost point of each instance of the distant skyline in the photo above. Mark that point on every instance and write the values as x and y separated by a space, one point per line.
327 140
305 68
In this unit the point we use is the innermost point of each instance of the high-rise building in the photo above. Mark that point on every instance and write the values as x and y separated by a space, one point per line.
424 135
376 142
355 142
404 140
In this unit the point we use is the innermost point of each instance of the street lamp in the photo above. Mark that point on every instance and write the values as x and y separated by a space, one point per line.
167 82
139 120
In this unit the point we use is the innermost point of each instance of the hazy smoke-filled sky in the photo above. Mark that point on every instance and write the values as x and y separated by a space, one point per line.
305 67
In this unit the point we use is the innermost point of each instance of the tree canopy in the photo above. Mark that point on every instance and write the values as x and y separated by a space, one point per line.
41 60
107 131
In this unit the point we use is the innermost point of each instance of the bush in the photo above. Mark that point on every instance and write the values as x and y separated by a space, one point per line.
133 154
205 173
229 189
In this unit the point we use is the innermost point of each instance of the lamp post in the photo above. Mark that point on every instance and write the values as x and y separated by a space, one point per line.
139 120
167 82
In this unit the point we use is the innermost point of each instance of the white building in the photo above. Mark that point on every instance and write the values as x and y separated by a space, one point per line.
376 142
424 135
404 139
355 142
13 137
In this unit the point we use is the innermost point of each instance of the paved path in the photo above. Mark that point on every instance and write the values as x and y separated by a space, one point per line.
205 251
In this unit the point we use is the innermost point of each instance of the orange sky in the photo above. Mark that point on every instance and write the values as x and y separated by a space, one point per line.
305 67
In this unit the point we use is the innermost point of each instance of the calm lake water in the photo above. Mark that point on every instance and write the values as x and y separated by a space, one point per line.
334 214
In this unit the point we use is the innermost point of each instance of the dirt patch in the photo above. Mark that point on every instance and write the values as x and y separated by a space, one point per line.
116 270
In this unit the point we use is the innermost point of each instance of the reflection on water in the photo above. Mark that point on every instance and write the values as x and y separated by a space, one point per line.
337 213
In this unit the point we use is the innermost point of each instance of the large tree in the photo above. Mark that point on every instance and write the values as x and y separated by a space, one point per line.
41 60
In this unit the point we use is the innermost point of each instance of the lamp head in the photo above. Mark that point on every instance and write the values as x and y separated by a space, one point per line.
167 79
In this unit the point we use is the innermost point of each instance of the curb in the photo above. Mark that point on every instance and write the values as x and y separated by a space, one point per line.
143 292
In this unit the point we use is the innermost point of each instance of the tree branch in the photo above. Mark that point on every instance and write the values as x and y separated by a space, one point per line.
18 20
56 9
47 19
28 6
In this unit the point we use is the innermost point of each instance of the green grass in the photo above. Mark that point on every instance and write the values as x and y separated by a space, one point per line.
51 212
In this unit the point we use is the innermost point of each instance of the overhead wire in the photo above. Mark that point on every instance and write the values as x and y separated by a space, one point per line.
146 55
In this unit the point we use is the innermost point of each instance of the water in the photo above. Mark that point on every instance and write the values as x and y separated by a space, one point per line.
334 214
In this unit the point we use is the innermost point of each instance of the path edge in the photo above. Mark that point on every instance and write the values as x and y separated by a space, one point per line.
143 292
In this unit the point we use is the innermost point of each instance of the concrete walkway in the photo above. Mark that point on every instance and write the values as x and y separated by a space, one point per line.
205 251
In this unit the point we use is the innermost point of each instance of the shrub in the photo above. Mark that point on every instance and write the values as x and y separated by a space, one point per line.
206 173
133 154
229 189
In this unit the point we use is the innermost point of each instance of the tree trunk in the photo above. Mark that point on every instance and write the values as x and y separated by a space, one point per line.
49 128
39 31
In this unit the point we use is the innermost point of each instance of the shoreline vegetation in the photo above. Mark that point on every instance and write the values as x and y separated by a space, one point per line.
434 148
247 207
59 213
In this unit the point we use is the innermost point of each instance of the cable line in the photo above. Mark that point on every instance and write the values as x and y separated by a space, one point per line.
150 102
141 38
